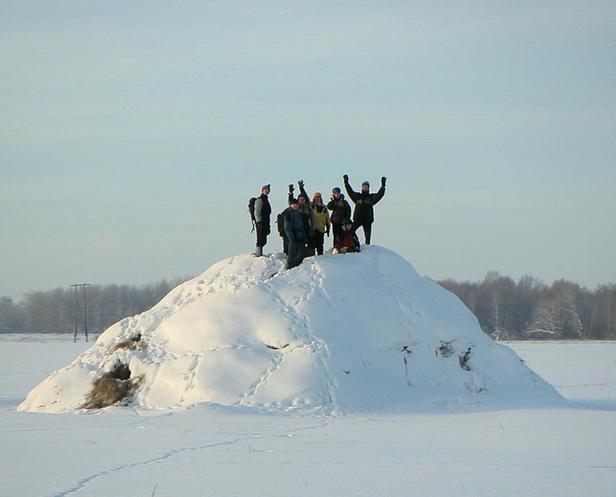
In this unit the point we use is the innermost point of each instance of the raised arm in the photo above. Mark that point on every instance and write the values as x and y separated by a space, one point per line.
303 191
379 195
353 195
290 195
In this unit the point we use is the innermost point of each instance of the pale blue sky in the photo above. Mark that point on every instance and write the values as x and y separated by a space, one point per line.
133 133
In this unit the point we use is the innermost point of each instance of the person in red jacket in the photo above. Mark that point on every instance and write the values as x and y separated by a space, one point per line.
348 241
341 211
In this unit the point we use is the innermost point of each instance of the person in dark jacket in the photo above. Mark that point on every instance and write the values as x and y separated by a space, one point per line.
296 234
341 210
364 205
281 232
263 211
348 241
305 209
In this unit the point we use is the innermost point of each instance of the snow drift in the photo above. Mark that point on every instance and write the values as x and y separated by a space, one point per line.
360 332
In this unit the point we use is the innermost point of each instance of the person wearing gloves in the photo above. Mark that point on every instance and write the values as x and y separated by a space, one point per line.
364 205
296 234
341 211
305 209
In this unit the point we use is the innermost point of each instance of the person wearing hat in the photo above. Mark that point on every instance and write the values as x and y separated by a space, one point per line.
341 210
296 234
321 223
348 241
263 211
364 205
305 209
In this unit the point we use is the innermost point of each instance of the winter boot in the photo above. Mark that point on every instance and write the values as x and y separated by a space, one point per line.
259 252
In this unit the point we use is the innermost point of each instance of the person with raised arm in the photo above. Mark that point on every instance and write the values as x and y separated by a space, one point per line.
305 209
364 205
296 234
341 211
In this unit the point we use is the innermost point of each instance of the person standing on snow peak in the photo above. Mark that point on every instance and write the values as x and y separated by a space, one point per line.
296 234
341 211
305 209
263 211
364 205
321 227
281 232
348 241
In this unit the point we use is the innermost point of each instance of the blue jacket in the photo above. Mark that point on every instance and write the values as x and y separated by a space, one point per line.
294 225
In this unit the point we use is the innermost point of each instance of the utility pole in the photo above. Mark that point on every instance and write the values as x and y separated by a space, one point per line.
83 287
75 310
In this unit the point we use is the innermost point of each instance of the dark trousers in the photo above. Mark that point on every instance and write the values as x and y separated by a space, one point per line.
337 232
262 232
310 246
285 245
297 251
367 230
317 241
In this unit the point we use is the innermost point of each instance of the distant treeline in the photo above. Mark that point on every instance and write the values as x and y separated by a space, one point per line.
530 309
506 309
56 311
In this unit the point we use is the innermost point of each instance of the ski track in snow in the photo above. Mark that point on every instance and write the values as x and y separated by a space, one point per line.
532 454
205 286
301 329
253 389
82 484
322 349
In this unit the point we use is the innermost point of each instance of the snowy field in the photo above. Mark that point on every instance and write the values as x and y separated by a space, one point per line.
210 452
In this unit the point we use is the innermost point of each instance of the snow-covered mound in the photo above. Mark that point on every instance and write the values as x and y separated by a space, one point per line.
358 332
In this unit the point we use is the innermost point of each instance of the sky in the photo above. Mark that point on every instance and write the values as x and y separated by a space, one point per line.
134 133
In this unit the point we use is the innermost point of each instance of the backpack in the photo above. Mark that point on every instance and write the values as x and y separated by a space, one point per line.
251 210
280 223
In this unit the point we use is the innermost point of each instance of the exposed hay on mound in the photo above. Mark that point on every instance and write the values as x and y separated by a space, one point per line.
464 358
130 344
112 387
445 349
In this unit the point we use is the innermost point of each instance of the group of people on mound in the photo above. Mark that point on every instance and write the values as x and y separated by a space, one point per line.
305 223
